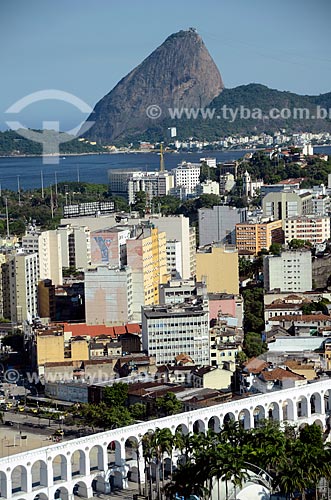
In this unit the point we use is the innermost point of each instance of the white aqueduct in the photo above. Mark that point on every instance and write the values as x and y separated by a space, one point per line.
105 460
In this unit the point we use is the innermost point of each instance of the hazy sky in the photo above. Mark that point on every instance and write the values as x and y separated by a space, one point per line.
86 47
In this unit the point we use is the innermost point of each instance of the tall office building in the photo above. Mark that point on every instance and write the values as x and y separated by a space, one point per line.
311 228
284 204
170 330
126 183
253 237
187 175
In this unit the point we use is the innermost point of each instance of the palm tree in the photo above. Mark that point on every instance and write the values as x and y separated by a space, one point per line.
148 454
164 442
136 446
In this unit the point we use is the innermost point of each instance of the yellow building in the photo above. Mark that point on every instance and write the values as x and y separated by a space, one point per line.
147 258
49 346
254 237
217 265
52 347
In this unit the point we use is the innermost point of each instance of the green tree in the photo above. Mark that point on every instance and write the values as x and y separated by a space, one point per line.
169 404
138 411
140 202
275 248
253 344
115 395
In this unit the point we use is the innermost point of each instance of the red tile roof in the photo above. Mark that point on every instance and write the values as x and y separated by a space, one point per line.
255 365
133 328
304 318
82 329
280 374
119 330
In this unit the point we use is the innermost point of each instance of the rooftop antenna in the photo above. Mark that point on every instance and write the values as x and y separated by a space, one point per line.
161 158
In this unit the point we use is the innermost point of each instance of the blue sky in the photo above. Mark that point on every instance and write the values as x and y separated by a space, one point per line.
86 47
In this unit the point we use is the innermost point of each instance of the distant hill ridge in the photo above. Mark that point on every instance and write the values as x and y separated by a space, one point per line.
181 74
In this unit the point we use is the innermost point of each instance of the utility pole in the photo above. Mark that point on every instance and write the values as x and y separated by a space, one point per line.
161 158
42 184
19 190
55 184
78 174
7 218
52 205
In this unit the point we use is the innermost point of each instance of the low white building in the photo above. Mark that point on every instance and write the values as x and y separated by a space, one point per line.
208 187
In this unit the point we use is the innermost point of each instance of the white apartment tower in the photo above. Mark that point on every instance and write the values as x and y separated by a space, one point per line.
47 244
23 283
187 175
289 272
75 246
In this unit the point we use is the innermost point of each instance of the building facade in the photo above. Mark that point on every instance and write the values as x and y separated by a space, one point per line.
255 237
147 258
309 228
217 266
285 204
75 246
187 175
218 224
23 283
168 331
47 244
108 295
289 272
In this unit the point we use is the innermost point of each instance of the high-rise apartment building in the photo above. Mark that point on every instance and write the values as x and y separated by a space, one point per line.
75 245
289 272
313 228
177 227
23 284
47 244
147 258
